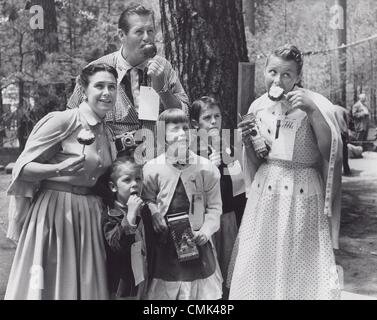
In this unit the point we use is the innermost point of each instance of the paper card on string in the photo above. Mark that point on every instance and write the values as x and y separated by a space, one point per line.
149 104
234 168
137 262
236 175
283 145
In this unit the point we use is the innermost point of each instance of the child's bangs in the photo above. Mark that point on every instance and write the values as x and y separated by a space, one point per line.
173 116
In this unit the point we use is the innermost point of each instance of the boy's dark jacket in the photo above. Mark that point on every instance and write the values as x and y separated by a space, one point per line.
119 240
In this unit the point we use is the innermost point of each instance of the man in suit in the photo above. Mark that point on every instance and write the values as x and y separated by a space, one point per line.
360 114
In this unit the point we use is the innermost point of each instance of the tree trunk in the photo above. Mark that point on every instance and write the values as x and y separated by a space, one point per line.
22 125
341 36
249 14
372 90
205 41
46 39
2 127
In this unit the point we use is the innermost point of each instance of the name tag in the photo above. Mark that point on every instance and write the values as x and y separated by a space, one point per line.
137 262
149 104
196 215
284 142
234 168
235 172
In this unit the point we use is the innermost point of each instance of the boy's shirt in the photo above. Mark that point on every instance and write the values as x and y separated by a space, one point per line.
129 251
201 182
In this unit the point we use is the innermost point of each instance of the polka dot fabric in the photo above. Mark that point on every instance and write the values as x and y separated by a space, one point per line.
283 249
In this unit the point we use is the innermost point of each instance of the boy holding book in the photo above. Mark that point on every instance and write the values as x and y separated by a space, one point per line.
183 194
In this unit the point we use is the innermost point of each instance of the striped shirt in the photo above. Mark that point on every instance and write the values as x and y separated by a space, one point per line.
124 117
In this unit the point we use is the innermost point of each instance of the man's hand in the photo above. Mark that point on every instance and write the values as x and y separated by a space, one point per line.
159 223
156 68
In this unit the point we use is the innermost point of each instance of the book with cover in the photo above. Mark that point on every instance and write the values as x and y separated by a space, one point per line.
181 232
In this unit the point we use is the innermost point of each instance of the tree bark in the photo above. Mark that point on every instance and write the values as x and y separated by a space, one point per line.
205 41
46 39
249 14
2 128
341 36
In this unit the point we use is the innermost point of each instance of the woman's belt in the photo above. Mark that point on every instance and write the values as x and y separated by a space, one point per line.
66 187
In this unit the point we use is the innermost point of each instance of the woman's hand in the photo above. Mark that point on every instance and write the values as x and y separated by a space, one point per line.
200 238
299 99
71 166
246 127
159 223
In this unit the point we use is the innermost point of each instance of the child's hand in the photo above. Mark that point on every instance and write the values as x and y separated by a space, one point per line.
215 157
134 205
200 238
159 223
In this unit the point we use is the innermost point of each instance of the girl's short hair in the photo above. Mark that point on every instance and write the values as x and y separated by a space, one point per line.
173 115
289 52
114 170
92 69
200 104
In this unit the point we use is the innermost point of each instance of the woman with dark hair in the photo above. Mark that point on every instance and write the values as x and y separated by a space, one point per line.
54 213
284 248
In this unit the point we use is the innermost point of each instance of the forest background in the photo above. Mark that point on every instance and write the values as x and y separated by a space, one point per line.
204 39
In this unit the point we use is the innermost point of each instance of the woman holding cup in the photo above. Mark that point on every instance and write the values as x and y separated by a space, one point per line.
284 248
54 213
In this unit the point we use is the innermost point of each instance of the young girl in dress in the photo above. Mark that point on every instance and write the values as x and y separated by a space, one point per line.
180 182
284 248
206 116
127 228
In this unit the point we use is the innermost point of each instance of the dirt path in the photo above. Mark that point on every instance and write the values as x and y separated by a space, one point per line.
358 231
358 234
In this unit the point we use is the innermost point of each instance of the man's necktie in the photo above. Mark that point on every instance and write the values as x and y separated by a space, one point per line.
135 86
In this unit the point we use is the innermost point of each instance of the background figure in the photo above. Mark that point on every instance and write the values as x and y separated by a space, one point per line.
136 33
284 248
360 114
61 252
342 117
